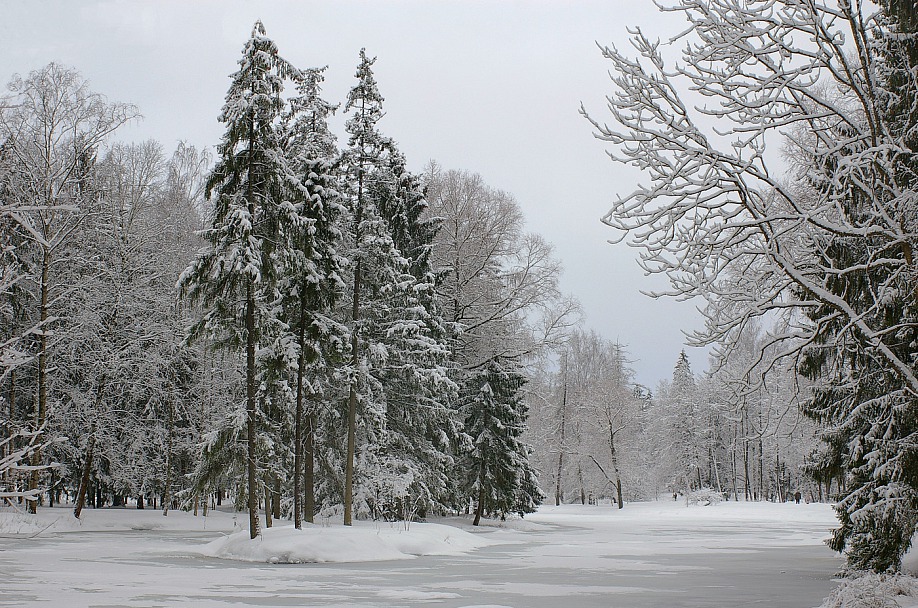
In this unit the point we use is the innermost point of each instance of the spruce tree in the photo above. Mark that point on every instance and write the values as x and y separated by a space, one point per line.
235 277
683 399
420 422
499 476
869 412
313 281
398 357
366 148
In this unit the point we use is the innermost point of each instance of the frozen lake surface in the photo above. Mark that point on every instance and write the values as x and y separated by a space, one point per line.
658 555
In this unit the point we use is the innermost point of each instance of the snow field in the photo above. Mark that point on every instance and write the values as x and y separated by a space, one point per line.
647 555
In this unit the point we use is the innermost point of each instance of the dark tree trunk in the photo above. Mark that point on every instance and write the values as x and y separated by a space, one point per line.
310 481
618 477
11 444
558 491
87 468
355 359
267 483
479 508
250 404
298 421
167 489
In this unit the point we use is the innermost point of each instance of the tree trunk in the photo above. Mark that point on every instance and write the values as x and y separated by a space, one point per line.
167 489
310 481
355 360
614 462
479 508
42 405
250 406
87 468
733 460
746 473
716 471
558 491
298 422
267 483
351 436
10 445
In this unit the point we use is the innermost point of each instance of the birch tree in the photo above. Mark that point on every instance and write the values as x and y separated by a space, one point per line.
823 242
51 125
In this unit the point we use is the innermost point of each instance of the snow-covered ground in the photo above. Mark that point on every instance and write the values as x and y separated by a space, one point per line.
658 555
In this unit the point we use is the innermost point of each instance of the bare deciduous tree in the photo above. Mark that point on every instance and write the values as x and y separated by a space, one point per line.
824 244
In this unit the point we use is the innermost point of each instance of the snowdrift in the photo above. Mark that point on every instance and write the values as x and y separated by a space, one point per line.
365 542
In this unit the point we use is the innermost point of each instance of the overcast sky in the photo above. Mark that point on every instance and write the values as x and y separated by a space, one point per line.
492 87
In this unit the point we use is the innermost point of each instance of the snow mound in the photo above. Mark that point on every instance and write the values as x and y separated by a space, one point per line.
362 543
875 591
18 523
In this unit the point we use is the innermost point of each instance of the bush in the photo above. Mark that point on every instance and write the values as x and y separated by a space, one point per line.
704 497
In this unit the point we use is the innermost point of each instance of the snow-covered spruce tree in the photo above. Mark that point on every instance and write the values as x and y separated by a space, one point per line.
870 412
368 239
312 281
235 277
828 249
683 405
499 476
421 424
397 375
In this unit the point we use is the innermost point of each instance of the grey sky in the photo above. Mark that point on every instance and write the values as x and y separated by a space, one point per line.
489 87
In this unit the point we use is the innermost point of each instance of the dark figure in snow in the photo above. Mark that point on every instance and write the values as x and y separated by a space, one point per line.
797 497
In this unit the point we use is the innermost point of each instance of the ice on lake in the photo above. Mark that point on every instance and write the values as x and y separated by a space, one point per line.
657 554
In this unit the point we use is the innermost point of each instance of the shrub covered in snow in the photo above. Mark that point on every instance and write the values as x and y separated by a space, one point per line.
874 591
704 496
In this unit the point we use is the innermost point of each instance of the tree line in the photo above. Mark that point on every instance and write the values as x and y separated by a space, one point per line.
601 436
304 327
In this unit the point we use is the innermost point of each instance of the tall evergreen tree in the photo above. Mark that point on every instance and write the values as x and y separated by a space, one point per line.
499 476
235 277
398 357
684 408
313 280
869 411
421 423
366 149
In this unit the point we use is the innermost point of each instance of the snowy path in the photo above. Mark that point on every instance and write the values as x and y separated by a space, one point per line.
648 555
